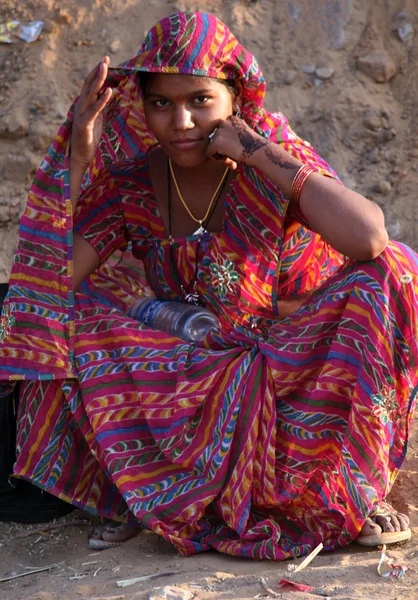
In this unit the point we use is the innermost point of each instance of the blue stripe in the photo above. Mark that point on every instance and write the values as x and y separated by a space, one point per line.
44 234
119 430
199 43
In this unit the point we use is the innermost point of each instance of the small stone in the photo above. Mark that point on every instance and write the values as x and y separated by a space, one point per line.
406 33
317 82
325 72
383 187
378 66
385 135
289 77
169 592
374 156
16 125
64 17
372 120
49 27
16 168
308 69
115 46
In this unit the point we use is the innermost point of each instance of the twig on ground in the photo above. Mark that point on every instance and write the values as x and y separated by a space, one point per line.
127 582
269 590
36 530
307 560
28 573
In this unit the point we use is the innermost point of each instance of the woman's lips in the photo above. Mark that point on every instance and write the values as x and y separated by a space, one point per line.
186 144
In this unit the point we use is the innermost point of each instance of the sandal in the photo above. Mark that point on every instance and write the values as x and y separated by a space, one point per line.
120 532
373 534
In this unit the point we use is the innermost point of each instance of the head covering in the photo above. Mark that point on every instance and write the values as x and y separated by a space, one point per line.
189 43
37 323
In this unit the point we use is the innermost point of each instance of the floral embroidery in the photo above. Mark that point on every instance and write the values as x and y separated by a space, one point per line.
7 321
406 278
59 222
224 277
385 404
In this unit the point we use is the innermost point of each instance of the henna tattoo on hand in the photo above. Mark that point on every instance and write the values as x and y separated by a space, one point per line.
277 160
248 142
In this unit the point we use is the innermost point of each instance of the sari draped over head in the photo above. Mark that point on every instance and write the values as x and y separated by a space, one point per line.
37 327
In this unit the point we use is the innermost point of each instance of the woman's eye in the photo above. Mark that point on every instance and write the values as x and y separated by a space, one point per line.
161 103
201 99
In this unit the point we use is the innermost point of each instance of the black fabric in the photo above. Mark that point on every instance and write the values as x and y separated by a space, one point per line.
19 500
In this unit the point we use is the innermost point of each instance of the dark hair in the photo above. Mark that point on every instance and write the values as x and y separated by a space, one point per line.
145 80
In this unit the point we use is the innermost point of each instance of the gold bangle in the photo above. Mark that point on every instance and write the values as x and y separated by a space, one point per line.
298 182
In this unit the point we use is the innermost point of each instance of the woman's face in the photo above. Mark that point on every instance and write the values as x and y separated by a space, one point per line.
182 110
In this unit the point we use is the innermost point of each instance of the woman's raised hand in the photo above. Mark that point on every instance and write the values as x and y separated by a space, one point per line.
88 115
234 142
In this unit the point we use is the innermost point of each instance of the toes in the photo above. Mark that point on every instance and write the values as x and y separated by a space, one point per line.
385 523
403 520
120 533
371 528
98 532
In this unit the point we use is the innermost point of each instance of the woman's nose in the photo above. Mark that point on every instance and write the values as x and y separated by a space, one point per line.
182 119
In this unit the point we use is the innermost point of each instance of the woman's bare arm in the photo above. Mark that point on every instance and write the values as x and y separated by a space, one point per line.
349 222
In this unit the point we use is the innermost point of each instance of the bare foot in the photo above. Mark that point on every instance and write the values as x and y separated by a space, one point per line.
112 534
385 526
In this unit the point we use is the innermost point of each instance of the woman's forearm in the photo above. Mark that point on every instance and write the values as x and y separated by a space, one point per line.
349 222
77 172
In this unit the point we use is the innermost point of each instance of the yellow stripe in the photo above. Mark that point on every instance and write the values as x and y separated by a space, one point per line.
41 432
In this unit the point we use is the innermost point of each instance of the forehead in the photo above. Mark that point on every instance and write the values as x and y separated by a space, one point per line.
172 83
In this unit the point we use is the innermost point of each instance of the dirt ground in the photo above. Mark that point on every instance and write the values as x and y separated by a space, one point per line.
359 112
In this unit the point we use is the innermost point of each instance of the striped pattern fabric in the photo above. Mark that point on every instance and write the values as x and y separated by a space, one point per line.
269 436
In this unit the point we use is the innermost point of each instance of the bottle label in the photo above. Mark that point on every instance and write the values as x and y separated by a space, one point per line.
148 312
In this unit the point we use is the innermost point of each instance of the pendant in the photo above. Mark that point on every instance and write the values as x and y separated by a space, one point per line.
200 231
192 297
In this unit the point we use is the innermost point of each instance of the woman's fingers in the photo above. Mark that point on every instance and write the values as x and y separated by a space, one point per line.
92 85
99 105
94 73
98 81
231 164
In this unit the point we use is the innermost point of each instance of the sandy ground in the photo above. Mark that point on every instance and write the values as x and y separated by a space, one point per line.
366 129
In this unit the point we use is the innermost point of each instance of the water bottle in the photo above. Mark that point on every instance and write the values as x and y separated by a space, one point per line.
188 322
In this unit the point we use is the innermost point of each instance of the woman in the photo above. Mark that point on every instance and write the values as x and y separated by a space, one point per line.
282 429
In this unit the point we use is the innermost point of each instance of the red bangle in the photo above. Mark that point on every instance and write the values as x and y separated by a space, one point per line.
298 183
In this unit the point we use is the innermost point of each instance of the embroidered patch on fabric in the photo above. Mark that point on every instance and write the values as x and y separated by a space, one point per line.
7 321
385 404
224 277
405 278
58 222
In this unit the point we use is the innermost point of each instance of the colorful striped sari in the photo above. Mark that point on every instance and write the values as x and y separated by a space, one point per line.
270 436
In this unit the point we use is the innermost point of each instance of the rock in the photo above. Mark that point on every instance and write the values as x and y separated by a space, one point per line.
308 69
49 27
169 592
115 46
377 65
383 187
14 125
374 156
405 33
372 120
63 17
324 72
41 135
385 135
289 77
15 168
